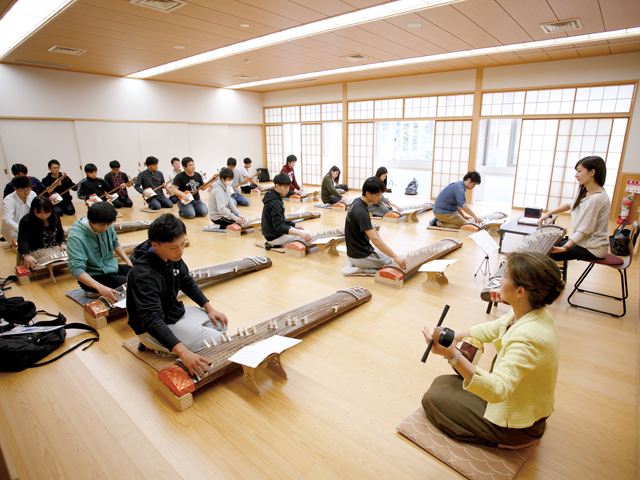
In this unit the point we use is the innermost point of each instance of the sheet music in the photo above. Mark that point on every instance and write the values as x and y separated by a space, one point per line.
437 265
342 248
253 355
484 241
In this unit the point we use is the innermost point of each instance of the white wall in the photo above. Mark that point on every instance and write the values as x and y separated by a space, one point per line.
81 118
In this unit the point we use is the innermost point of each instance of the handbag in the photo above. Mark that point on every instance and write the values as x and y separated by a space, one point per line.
263 175
23 344
619 241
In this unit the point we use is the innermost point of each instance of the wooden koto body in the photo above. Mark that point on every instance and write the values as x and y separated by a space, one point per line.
541 241
326 240
289 324
394 276
485 225
299 197
410 212
103 308
251 223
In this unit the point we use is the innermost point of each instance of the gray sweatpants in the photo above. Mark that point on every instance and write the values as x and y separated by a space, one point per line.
376 260
192 330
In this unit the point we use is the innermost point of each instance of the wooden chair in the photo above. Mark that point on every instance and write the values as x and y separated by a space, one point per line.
612 261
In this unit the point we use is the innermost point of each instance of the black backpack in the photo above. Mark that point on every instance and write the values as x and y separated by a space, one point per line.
263 175
24 342
412 188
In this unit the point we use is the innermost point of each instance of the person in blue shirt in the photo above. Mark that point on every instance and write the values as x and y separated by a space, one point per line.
451 209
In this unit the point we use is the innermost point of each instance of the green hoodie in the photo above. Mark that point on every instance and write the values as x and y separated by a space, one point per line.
90 252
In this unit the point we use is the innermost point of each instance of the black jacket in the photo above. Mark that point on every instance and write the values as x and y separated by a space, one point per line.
274 222
64 185
152 290
92 186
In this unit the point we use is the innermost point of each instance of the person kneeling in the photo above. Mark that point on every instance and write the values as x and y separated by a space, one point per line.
277 230
507 406
222 209
90 246
162 322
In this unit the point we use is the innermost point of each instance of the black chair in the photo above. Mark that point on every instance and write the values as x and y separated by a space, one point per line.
612 261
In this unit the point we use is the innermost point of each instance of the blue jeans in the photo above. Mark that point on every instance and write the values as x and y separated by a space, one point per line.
240 199
157 202
194 209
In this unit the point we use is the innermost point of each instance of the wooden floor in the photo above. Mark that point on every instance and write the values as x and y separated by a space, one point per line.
97 414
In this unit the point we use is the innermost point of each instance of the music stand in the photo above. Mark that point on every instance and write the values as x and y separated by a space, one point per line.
488 245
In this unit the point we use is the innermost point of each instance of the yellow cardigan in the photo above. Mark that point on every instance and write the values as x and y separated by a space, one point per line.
520 389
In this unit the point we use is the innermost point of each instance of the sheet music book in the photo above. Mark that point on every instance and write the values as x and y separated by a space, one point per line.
253 355
484 241
436 265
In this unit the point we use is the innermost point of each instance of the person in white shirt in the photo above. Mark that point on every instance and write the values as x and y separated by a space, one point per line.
175 163
15 206
236 196
247 181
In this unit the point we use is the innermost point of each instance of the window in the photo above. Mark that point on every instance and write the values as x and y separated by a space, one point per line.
498 142
405 141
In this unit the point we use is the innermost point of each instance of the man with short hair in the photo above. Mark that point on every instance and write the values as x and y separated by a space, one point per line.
294 188
90 246
15 206
91 184
64 207
147 184
277 230
175 170
360 234
247 181
237 180
20 170
185 186
162 322
117 179
222 210
450 209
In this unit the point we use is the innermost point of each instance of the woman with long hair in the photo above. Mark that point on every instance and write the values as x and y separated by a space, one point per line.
589 215
384 206
40 228
508 405
329 193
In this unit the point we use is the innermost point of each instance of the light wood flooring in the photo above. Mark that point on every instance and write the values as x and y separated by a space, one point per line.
97 414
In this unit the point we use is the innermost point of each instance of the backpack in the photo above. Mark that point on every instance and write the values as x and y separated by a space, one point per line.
263 175
342 186
24 342
412 188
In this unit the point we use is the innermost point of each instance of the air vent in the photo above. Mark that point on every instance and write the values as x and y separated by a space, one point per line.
67 50
42 64
356 57
160 5
562 26
244 77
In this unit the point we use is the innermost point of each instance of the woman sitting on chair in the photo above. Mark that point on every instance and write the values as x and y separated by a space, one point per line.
507 406
40 228
589 215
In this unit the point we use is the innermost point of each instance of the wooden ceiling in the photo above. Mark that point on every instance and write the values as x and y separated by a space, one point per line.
121 38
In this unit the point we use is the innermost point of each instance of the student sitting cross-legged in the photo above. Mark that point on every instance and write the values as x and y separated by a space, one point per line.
277 230
90 246
15 206
40 228
162 322
222 210
360 234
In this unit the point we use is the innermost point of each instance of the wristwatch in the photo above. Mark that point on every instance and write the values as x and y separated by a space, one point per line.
454 361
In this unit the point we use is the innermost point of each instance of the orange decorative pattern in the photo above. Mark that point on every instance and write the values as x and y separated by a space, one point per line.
297 197
23 271
234 228
297 246
470 228
392 215
178 381
97 309
391 274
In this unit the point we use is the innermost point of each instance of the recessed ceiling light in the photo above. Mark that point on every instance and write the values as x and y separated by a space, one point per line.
178 47
414 25
358 17
244 25
555 42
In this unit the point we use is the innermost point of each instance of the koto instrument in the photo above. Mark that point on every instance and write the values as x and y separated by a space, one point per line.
250 223
326 240
96 312
410 212
394 276
487 222
299 197
288 324
541 241
47 258
264 188
124 227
